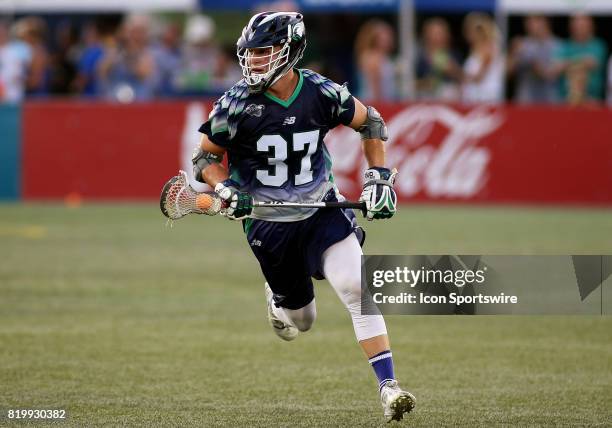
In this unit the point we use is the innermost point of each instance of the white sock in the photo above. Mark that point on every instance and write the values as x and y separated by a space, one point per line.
342 268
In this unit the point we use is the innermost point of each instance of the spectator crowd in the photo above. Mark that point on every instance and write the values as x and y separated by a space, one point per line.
541 67
139 60
145 58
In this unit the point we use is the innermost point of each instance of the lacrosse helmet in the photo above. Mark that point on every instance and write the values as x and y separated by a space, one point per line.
282 36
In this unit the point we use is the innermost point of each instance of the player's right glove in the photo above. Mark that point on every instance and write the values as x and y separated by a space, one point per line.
239 204
378 193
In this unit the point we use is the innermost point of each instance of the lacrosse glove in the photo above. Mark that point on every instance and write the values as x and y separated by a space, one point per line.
239 205
378 193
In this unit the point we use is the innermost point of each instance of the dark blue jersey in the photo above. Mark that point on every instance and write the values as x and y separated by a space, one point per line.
275 148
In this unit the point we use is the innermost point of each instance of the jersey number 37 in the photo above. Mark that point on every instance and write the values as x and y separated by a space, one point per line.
280 173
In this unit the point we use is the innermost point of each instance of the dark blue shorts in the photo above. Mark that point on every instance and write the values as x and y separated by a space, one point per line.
290 253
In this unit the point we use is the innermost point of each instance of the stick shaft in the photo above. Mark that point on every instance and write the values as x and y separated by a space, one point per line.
334 204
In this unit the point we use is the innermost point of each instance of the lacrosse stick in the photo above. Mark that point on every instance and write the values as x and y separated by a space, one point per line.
178 199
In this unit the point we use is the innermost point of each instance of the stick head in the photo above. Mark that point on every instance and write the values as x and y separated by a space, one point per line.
179 199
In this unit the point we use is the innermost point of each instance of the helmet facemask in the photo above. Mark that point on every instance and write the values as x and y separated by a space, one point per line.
270 46
262 70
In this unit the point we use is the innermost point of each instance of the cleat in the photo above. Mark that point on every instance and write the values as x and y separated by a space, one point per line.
395 402
283 330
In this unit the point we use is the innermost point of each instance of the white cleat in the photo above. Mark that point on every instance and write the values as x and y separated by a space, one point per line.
283 330
396 402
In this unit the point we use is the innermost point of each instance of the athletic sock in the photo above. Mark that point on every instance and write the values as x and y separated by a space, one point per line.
382 363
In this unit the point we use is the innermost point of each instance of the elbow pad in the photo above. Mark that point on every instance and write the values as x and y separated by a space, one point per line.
202 160
374 127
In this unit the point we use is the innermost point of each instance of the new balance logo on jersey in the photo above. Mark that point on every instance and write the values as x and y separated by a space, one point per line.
289 120
255 243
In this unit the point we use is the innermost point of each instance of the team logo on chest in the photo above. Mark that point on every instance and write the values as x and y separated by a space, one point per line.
289 120
254 109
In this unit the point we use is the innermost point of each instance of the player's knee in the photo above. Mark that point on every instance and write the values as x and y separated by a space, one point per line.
304 324
348 285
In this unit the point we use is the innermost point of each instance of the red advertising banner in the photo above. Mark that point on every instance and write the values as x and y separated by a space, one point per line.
483 154
102 151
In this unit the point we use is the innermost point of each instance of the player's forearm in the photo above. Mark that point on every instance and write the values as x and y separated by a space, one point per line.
207 160
374 151
215 174
368 127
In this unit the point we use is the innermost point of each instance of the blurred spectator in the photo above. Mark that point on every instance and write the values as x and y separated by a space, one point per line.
483 71
86 81
63 60
581 60
200 56
167 54
226 71
31 30
610 81
205 68
376 70
437 68
14 61
128 72
277 6
532 61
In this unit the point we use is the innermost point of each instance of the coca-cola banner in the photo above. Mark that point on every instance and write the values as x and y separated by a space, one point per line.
443 153
488 154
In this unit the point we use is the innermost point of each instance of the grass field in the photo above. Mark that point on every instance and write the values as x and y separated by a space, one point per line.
119 320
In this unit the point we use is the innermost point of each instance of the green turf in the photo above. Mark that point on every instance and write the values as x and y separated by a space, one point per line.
119 320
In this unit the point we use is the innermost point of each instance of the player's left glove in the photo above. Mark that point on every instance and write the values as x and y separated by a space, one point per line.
239 204
378 193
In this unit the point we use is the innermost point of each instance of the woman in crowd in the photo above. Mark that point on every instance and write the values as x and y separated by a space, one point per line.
483 71
376 70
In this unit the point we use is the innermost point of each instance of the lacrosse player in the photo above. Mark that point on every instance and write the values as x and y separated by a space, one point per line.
271 125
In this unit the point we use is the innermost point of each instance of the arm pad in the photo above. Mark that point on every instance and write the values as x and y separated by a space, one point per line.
374 127
202 160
